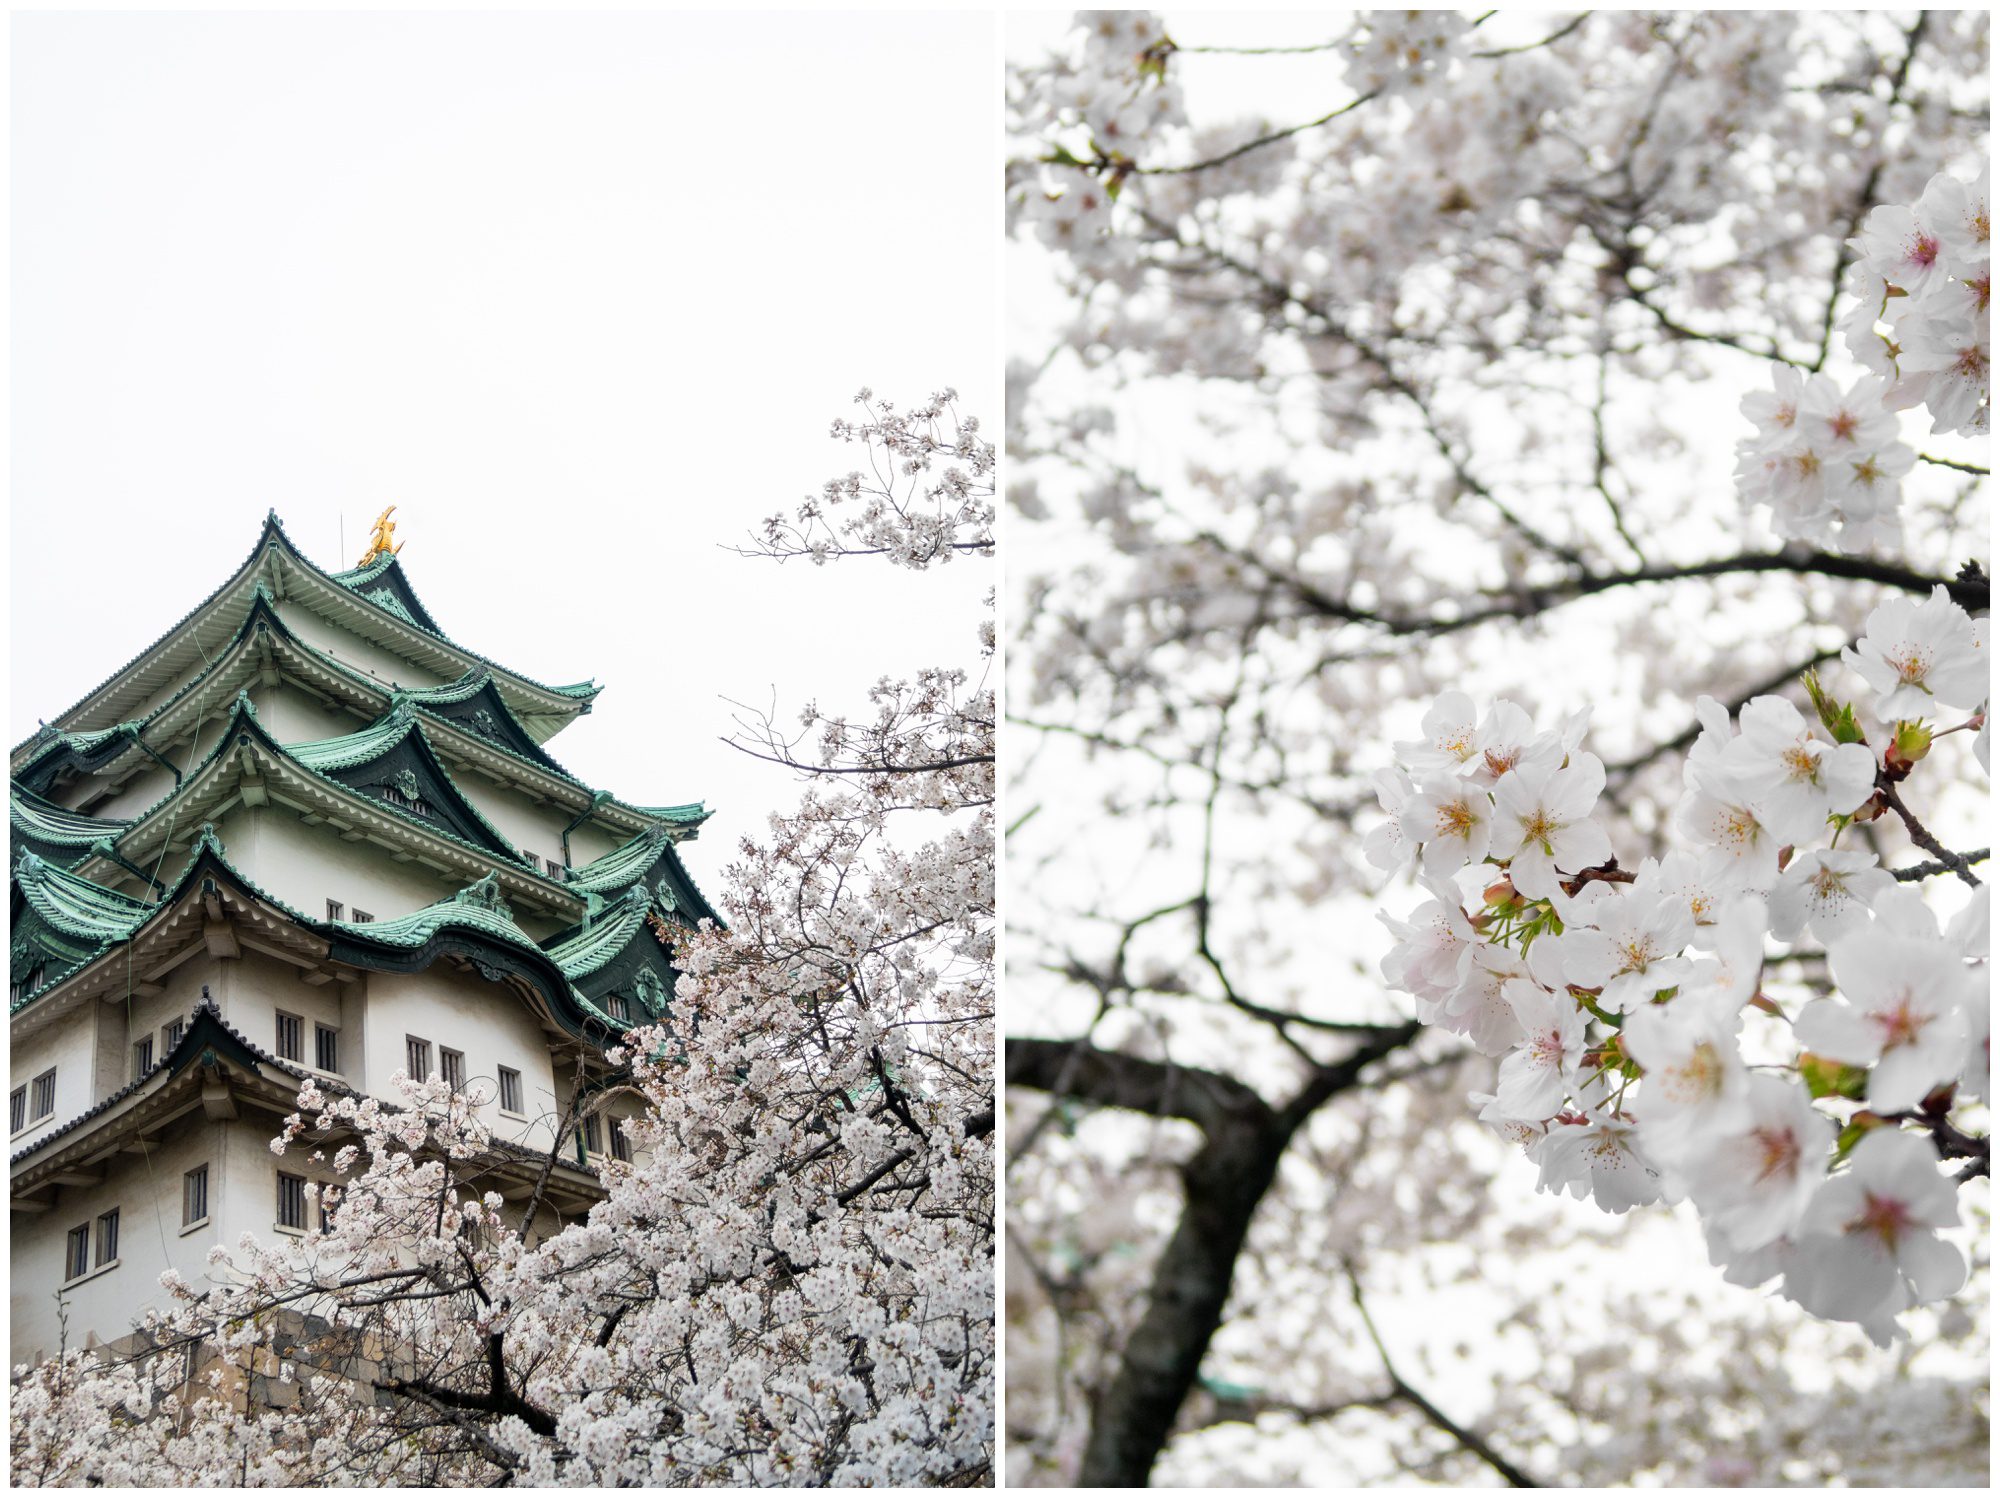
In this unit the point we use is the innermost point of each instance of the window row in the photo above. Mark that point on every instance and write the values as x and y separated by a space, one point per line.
291 1043
590 1138
336 911
144 1052
76 1252
31 1102
451 1067
548 866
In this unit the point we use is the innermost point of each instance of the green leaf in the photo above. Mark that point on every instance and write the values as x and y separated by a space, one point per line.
1825 1077
1912 742
1850 1135
1837 716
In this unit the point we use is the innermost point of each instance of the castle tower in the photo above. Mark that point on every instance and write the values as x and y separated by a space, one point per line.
305 834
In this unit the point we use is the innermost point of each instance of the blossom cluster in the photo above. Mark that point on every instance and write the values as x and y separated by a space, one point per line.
1641 1058
791 1280
1826 457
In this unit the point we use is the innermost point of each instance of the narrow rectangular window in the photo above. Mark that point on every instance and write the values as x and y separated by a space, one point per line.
616 1007
593 1135
451 1064
194 1196
45 1095
171 1033
557 871
291 1038
17 1108
362 917
335 910
142 1057
510 1090
620 1145
325 1212
417 1058
107 1237
76 1256
326 1048
291 1201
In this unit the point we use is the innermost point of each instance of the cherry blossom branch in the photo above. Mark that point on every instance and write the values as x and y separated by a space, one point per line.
1472 1443
1865 198
1972 468
1921 835
1223 1184
1930 870
1251 145
1114 1079
1548 41
1624 769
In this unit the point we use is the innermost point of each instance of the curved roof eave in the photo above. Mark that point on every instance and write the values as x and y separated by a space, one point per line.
243 721
101 706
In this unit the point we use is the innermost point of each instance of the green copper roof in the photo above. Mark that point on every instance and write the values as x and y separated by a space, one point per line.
604 938
42 820
478 907
88 751
75 906
347 750
624 866
686 813
100 918
478 911
243 718
272 537
95 919
378 740
383 581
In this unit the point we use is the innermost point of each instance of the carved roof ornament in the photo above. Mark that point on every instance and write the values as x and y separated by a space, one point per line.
379 539
651 991
485 895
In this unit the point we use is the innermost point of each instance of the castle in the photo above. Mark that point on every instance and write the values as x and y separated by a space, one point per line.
306 834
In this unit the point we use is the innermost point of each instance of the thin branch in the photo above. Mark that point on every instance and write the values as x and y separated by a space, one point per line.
1250 145
1972 468
1938 866
1470 1441
1922 837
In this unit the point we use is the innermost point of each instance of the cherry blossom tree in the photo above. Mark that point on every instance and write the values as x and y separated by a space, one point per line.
792 1285
1542 466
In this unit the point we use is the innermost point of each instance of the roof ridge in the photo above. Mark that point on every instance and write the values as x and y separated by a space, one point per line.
273 529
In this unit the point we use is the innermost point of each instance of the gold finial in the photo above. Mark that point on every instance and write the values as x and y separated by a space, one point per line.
379 539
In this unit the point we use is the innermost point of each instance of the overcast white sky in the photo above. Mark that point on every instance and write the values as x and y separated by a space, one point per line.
579 294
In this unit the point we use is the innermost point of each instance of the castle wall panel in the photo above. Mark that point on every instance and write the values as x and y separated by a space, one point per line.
146 1188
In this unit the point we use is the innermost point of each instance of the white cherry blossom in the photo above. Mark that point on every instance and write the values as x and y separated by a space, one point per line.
1541 823
1754 1178
1921 658
1900 1011
1827 891
1868 1243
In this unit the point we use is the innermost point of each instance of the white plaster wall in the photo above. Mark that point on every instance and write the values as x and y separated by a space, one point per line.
180 992
292 716
590 842
146 1189
71 1048
489 1022
140 792
307 866
364 656
255 987
515 816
